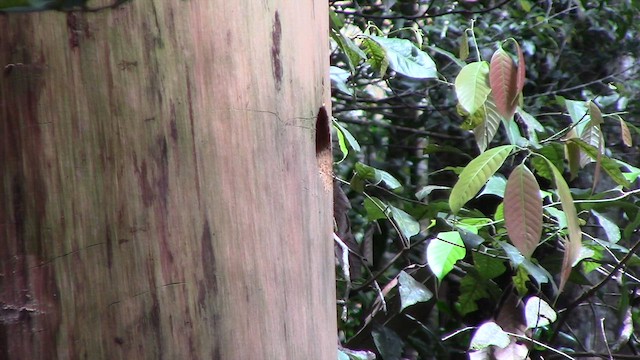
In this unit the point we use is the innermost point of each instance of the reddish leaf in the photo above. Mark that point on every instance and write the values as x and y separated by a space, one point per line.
626 134
523 210
521 69
503 75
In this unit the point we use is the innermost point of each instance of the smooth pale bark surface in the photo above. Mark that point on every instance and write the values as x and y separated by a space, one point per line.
162 195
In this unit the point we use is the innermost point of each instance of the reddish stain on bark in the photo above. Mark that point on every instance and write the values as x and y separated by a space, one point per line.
276 42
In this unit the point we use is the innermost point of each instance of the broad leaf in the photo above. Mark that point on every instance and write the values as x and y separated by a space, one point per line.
574 243
406 59
472 289
339 79
495 186
503 77
443 251
375 208
411 291
476 174
472 86
610 228
523 210
538 313
344 138
488 267
486 131
388 343
408 225
353 52
489 334
377 176
376 55
551 152
463 52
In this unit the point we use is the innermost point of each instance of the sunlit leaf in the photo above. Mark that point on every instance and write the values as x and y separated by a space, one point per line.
503 78
426 190
443 251
411 291
574 242
344 138
523 210
538 313
489 334
476 174
406 59
472 85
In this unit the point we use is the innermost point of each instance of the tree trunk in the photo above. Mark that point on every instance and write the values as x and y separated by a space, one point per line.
161 196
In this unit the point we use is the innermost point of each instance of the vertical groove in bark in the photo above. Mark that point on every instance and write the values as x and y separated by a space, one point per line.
160 195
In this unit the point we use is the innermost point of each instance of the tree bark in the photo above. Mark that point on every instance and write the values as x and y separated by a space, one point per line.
164 193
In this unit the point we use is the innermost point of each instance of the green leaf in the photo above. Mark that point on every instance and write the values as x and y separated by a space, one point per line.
495 186
408 225
503 78
339 79
426 190
443 251
472 289
512 253
610 228
375 208
349 48
488 267
476 174
610 166
489 334
411 291
344 138
388 343
406 59
463 51
376 176
472 86
523 210
574 243
554 153
376 55
538 313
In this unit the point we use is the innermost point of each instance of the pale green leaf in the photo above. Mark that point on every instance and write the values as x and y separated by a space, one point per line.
486 131
406 223
495 186
444 251
411 291
538 313
426 190
406 59
476 174
489 334
472 85
610 228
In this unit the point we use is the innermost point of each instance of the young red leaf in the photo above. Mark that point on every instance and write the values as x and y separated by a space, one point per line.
503 79
523 210
521 69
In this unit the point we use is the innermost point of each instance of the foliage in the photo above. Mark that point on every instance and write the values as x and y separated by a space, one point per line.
491 201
